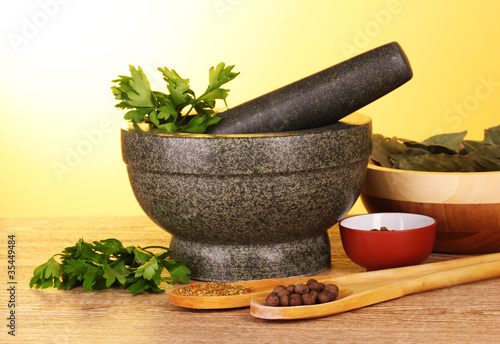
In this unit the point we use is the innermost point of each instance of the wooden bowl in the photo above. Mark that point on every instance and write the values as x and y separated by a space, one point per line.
466 205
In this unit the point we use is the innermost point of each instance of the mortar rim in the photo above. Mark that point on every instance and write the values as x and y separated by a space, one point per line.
145 128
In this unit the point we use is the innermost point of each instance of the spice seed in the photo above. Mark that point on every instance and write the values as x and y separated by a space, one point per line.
213 289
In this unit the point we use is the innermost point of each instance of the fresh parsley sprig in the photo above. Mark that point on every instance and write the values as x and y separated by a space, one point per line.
106 263
165 110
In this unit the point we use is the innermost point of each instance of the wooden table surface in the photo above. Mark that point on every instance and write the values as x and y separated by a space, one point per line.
468 313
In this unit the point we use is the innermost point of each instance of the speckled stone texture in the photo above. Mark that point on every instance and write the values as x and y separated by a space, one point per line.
254 206
322 98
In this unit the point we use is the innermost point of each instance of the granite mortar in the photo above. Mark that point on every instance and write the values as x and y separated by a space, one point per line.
249 206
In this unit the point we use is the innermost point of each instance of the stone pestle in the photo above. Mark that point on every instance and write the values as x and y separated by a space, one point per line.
322 98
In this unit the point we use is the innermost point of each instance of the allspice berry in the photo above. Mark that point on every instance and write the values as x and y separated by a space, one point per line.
308 293
278 287
333 289
301 289
313 285
324 297
284 300
272 300
295 300
308 299
283 291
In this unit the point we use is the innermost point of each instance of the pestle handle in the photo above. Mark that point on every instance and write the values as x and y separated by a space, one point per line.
322 98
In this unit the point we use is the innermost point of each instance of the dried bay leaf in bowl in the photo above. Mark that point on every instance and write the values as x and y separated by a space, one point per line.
439 153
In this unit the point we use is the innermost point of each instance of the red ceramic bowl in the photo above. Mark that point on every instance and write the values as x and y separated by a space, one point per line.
408 241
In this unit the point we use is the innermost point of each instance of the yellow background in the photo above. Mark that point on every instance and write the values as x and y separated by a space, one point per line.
58 59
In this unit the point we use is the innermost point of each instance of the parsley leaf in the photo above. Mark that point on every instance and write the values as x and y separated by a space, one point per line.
47 274
53 268
91 277
138 285
148 269
218 77
107 263
179 273
166 110
135 91
141 256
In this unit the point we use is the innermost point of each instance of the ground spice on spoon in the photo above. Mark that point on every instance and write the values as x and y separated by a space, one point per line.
213 289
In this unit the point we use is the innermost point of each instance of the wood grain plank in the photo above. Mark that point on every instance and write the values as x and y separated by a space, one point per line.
465 313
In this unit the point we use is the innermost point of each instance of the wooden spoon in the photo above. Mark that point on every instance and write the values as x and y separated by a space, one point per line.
356 290
356 293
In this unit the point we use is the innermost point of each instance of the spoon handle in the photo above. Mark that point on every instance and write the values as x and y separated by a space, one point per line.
435 280
417 270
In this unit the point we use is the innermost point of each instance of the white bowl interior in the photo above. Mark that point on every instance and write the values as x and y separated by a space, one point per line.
393 221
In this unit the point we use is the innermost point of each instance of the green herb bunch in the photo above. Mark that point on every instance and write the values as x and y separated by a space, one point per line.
106 263
166 110
439 153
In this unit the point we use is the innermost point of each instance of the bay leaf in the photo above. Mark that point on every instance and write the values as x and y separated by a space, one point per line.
451 141
431 148
409 153
442 163
489 131
493 137
385 150
488 156
492 165
471 146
